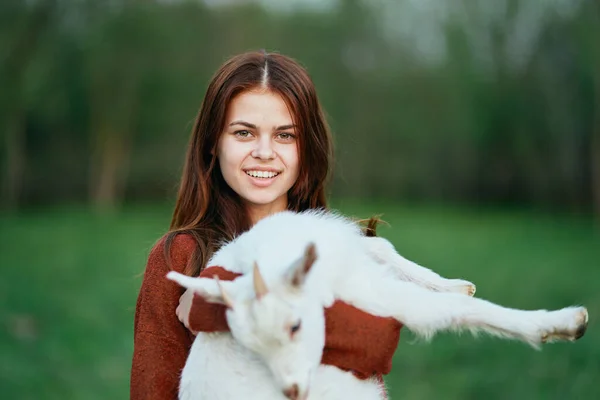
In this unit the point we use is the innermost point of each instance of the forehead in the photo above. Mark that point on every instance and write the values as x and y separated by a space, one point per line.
259 107
274 310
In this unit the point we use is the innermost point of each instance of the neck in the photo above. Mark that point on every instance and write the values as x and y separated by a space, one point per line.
256 212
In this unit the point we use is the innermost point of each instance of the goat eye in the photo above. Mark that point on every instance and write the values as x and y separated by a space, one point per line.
295 328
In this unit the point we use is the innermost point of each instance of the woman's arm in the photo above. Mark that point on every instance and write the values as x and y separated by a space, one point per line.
210 317
358 341
161 342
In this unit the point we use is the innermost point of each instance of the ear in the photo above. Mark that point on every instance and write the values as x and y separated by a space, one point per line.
300 269
212 290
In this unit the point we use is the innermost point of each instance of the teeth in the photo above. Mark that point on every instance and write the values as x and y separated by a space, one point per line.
262 174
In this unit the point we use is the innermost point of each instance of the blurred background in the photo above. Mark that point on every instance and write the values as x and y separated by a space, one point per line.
472 126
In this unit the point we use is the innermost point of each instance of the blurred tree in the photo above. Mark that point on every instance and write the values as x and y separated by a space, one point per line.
590 35
22 28
465 101
119 48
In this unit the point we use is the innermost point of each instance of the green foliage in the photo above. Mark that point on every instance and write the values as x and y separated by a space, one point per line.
99 97
70 281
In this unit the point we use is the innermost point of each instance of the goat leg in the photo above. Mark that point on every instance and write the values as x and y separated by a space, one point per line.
383 252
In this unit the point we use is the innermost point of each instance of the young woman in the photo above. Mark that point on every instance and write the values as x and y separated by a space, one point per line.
260 145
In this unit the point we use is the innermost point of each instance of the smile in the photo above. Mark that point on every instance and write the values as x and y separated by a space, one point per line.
262 174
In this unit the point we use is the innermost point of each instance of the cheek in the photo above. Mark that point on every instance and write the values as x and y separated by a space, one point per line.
231 156
241 328
290 158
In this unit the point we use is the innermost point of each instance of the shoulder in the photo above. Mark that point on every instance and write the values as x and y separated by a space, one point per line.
181 250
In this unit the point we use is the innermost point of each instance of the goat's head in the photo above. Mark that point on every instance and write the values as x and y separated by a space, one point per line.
282 323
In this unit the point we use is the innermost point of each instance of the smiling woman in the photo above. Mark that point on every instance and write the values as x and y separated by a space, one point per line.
258 153
260 145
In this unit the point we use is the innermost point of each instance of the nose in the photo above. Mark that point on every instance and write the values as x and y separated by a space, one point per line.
263 150
293 392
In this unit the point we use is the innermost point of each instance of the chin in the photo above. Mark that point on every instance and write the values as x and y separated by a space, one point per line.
262 199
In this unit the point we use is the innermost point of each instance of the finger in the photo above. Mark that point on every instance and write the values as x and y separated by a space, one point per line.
184 296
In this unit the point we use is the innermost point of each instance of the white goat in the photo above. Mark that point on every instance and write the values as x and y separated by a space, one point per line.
307 260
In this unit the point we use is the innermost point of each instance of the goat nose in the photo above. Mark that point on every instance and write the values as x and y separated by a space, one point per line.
293 392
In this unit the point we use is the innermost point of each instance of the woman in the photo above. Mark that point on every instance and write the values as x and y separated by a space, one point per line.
260 145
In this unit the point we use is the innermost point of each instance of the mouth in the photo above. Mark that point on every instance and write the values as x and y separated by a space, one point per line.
266 175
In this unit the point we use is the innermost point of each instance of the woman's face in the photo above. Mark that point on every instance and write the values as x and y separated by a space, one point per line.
257 150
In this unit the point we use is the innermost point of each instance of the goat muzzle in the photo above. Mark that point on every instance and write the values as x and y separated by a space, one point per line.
293 392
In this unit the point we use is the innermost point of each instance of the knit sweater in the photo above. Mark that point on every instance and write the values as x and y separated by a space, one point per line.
354 340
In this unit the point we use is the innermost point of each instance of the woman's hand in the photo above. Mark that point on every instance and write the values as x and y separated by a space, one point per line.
184 307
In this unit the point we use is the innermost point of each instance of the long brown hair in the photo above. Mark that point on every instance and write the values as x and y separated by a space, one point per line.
207 208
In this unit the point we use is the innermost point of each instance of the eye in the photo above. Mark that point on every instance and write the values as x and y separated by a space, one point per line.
295 328
242 133
286 136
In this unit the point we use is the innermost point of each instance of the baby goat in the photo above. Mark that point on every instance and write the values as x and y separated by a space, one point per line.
294 265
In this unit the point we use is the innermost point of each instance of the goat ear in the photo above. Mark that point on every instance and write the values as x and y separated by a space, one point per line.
302 267
211 290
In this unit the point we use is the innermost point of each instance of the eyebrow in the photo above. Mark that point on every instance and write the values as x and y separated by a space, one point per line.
252 126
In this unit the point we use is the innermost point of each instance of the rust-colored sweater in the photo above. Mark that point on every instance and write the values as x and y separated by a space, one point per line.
354 341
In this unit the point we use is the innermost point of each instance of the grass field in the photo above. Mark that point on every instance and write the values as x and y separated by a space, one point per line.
70 281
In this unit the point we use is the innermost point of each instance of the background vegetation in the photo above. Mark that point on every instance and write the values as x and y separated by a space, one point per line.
472 125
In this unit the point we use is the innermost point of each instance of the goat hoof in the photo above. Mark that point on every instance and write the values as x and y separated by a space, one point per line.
582 325
575 330
470 290
460 286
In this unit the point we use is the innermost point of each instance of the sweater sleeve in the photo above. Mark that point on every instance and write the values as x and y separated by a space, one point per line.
358 341
161 341
210 317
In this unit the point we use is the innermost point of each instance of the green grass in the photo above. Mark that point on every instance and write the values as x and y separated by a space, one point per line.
70 281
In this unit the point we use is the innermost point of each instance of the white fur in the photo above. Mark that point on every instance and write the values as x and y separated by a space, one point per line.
259 359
